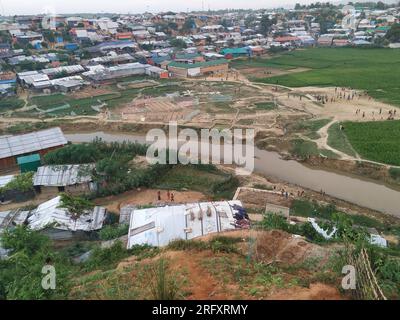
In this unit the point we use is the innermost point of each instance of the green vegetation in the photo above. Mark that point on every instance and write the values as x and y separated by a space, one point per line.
108 258
111 232
10 104
61 105
373 70
76 206
94 151
216 244
22 182
395 173
310 127
203 178
257 63
163 286
265 106
377 141
304 148
337 139
304 208
114 172
21 274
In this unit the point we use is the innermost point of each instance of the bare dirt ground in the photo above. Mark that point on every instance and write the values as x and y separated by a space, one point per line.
201 282
143 197
90 92
316 291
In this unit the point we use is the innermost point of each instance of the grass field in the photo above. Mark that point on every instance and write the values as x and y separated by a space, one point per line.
375 70
265 106
10 104
310 127
338 140
377 141
206 179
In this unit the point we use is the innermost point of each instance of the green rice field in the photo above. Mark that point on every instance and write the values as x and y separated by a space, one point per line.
374 70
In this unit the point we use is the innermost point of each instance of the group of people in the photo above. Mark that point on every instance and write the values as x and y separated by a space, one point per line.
340 94
170 196
391 114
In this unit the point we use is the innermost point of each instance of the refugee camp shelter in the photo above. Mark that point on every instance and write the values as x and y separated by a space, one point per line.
58 223
40 142
70 178
159 226
29 163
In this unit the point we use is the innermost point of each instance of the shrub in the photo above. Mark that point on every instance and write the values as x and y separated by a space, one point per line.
394 173
22 182
113 231
21 274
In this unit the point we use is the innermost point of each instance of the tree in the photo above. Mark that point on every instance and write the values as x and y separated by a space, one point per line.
188 25
266 24
111 170
393 35
380 5
76 206
49 35
178 43
172 26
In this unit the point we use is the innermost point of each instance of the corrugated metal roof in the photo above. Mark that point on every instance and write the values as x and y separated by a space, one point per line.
68 69
48 214
62 175
12 218
198 64
31 142
159 226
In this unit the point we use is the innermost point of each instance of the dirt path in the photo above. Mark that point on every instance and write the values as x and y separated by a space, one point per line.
202 285
323 143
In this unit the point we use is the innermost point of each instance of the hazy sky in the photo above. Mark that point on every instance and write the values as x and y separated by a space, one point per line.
11 7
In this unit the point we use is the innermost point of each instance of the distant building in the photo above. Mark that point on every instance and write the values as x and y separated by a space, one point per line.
220 66
42 142
64 178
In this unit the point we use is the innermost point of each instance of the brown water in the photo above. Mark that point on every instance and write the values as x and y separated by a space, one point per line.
363 192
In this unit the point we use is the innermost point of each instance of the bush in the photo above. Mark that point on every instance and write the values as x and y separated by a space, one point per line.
22 182
113 231
21 274
394 173
108 258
